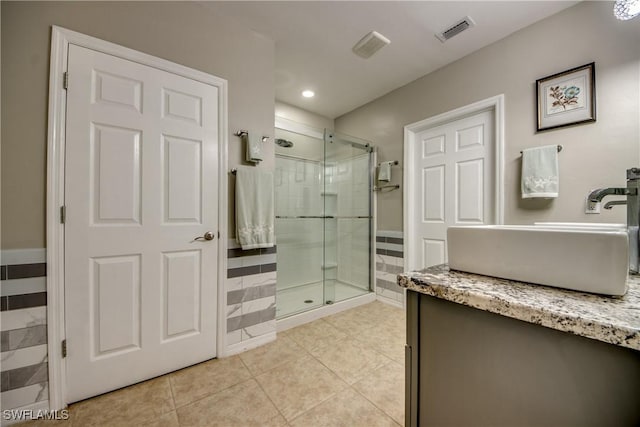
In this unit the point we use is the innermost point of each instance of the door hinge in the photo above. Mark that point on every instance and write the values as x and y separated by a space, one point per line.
63 214
65 80
64 348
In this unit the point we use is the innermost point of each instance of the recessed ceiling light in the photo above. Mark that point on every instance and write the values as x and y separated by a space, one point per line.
308 93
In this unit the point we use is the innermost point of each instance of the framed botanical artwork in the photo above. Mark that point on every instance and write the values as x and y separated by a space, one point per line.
567 98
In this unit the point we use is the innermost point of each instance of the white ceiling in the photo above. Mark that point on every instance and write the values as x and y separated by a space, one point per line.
313 41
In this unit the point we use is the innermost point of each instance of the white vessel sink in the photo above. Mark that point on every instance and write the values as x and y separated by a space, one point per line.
582 257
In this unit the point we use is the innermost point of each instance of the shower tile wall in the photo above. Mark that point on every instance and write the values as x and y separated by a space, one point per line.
251 293
23 319
352 182
389 263
298 192
299 185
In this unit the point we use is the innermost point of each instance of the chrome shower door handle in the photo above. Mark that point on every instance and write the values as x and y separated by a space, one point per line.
207 236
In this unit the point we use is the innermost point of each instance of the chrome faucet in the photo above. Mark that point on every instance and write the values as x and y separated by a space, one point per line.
596 196
633 211
611 204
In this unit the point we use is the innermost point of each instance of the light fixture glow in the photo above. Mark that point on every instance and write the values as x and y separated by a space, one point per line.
626 9
308 93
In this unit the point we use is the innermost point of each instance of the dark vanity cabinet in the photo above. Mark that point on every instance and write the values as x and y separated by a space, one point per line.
470 367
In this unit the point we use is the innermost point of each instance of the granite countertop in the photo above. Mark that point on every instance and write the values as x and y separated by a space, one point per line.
614 320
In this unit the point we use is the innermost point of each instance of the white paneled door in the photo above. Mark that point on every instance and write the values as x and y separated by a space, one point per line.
140 185
454 183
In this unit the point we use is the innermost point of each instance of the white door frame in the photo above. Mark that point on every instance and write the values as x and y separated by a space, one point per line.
496 104
61 38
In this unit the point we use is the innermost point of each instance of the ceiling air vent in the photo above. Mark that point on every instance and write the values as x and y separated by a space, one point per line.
370 44
456 29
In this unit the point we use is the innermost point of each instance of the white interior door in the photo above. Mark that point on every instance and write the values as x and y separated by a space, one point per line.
454 183
141 182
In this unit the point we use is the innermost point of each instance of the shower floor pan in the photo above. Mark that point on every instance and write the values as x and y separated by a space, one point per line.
306 297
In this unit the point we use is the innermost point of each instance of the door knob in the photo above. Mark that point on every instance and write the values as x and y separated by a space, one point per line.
207 236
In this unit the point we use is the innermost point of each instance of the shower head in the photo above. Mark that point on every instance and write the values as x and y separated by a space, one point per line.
284 143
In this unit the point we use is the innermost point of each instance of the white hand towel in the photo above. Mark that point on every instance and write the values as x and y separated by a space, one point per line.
254 208
254 148
384 172
540 176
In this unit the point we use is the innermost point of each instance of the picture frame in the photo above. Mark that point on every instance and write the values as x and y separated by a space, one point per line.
567 98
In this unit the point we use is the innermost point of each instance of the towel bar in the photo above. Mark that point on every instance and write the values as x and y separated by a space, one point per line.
391 187
242 133
393 162
559 149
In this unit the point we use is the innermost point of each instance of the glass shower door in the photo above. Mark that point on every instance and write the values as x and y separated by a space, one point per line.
348 218
299 229
323 187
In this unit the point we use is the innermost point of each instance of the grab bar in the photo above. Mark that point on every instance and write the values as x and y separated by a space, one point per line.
322 217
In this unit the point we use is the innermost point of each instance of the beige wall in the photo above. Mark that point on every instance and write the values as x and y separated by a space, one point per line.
299 115
187 33
594 155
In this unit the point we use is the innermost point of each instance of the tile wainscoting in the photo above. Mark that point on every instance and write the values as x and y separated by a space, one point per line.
23 324
251 312
251 297
389 263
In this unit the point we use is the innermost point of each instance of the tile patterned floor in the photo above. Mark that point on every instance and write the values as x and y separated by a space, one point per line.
343 370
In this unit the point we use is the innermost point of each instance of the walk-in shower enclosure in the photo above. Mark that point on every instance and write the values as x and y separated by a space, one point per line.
323 191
